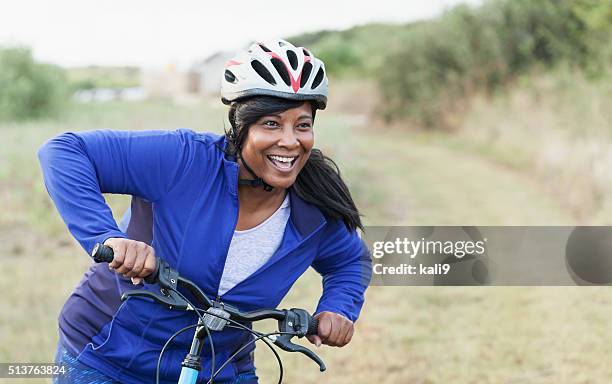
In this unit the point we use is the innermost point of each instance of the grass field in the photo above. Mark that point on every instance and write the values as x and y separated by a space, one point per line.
405 334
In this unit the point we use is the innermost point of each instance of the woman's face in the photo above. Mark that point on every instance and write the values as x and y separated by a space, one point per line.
277 146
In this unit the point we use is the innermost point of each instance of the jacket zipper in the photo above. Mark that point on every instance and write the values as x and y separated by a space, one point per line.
218 285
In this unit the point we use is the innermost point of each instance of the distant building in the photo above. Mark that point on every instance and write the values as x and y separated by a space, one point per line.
204 78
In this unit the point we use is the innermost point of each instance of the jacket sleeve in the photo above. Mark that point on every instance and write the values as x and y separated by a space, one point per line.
344 263
78 167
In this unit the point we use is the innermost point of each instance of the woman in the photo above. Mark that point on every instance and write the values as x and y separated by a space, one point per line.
242 215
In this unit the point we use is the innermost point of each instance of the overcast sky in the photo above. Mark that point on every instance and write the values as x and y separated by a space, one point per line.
152 33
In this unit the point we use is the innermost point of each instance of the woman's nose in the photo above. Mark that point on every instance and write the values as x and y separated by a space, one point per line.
289 138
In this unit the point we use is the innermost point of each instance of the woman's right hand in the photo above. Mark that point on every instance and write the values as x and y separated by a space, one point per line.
133 259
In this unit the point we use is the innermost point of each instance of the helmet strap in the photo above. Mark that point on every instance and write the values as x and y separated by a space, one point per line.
256 181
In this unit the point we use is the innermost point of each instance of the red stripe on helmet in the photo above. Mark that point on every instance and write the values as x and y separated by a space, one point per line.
295 84
232 62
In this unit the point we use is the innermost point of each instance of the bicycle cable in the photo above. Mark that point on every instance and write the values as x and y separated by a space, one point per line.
163 350
257 333
259 336
239 325
201 318
276 355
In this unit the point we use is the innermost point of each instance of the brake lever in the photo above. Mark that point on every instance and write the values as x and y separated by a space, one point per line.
298 323
169 298
167 278
284 343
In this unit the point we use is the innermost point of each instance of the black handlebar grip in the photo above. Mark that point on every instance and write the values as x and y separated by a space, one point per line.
102 253
313 326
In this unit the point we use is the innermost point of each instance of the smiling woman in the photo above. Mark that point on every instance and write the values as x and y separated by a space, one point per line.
278 145
241 215
274 138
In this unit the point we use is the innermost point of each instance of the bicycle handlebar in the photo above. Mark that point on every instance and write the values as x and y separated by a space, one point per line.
291 322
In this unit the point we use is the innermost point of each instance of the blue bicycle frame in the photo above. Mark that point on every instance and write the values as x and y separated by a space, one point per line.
188 376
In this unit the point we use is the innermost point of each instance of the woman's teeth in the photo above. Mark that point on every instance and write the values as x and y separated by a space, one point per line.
282 161
282 158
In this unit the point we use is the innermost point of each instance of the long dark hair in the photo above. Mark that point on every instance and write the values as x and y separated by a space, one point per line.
319 182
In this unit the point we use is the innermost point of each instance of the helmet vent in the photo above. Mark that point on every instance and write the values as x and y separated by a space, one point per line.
293 61
229 76
265 49
305 74
280 68
281 43
318 78
263 71
306 53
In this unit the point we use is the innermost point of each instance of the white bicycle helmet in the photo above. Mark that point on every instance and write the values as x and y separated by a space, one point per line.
275 68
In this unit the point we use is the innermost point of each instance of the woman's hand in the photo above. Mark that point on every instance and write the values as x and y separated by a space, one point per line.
334 330
133 259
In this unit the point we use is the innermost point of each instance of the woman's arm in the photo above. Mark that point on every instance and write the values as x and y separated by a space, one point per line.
79 167
345 264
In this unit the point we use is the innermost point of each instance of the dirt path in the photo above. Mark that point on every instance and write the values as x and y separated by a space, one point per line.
404 179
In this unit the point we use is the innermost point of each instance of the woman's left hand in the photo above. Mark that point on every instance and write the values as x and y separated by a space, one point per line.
334 330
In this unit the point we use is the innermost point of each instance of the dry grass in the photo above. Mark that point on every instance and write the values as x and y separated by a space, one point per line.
559 125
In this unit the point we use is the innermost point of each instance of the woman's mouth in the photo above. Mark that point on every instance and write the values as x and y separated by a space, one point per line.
282 163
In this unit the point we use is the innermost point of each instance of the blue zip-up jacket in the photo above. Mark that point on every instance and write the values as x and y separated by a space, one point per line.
192 187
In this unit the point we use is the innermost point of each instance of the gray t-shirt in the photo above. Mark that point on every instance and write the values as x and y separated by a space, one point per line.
252 248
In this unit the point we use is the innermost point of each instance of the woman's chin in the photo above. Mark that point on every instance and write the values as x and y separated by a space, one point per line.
281 183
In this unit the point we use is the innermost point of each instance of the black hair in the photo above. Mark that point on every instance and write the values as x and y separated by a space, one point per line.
319 182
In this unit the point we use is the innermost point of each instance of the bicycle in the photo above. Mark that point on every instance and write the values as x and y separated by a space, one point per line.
215 316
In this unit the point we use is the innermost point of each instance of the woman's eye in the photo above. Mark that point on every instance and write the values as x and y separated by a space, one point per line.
270 123
305 126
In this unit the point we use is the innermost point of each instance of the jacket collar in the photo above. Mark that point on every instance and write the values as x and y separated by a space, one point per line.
305 217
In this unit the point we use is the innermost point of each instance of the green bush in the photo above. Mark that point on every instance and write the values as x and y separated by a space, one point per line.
29 89
443 61
358 51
